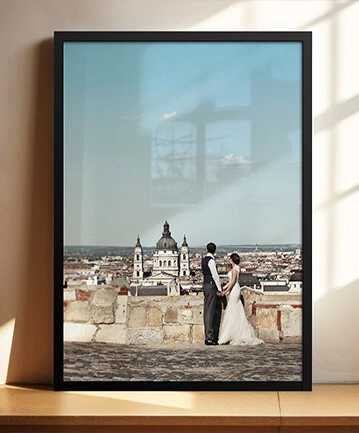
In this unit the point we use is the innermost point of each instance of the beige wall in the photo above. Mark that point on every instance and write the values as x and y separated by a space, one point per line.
26 71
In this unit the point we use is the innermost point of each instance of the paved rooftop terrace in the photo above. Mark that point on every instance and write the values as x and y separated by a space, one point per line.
113 362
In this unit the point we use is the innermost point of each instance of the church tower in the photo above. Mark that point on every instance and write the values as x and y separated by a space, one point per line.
184 259
138 261
165 258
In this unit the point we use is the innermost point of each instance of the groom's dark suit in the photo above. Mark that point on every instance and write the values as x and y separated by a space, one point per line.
212 309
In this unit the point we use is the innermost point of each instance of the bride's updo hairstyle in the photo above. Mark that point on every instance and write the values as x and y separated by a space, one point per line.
235 258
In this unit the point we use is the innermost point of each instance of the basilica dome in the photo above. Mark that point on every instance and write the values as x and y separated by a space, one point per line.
166 242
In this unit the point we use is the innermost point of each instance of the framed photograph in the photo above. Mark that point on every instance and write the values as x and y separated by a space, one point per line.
182 257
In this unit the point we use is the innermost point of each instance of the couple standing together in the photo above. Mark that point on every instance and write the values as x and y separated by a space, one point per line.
235 328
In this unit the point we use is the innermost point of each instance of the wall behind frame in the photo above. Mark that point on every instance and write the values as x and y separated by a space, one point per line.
26 128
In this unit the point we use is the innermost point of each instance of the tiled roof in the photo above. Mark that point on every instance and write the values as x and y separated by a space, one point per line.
277 288
159 290
246 278
297 276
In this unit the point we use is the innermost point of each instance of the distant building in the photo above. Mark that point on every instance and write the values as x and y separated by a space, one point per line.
95 281
166 256
249 280
92 281
159 290
171 289
275 288
184 259
138 261
223 268
278 286
169 264
295 282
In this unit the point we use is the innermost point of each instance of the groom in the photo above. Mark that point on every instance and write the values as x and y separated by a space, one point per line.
212 309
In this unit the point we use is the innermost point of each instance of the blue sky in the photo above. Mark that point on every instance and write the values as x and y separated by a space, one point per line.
205 135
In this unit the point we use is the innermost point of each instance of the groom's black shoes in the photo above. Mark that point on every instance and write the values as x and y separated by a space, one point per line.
210 343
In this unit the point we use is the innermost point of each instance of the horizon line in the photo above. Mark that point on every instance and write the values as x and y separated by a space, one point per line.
193 246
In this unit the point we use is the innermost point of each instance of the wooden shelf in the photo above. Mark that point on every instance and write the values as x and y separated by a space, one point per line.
39 409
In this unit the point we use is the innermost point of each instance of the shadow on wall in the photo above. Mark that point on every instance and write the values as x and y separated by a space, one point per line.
335 316
336 348
32 339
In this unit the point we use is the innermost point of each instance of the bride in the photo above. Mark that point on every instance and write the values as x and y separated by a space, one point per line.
235 328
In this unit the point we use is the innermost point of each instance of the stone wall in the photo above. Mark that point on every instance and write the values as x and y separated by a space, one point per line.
106 314
277 318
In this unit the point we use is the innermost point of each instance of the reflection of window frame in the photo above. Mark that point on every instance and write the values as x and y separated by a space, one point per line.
173 163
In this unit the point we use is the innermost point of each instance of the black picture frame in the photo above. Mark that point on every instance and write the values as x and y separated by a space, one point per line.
80 38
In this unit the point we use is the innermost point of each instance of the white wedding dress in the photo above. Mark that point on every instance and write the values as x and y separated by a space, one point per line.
235 328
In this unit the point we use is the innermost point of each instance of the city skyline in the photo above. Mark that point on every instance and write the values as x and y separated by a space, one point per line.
195 246
204 135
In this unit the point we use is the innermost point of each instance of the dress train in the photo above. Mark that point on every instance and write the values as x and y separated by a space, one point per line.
235 328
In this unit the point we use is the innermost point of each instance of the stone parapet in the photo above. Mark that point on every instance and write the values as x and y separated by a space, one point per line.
276 318
104 314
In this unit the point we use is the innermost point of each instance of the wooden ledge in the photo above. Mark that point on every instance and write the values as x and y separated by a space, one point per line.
39 409
326 405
